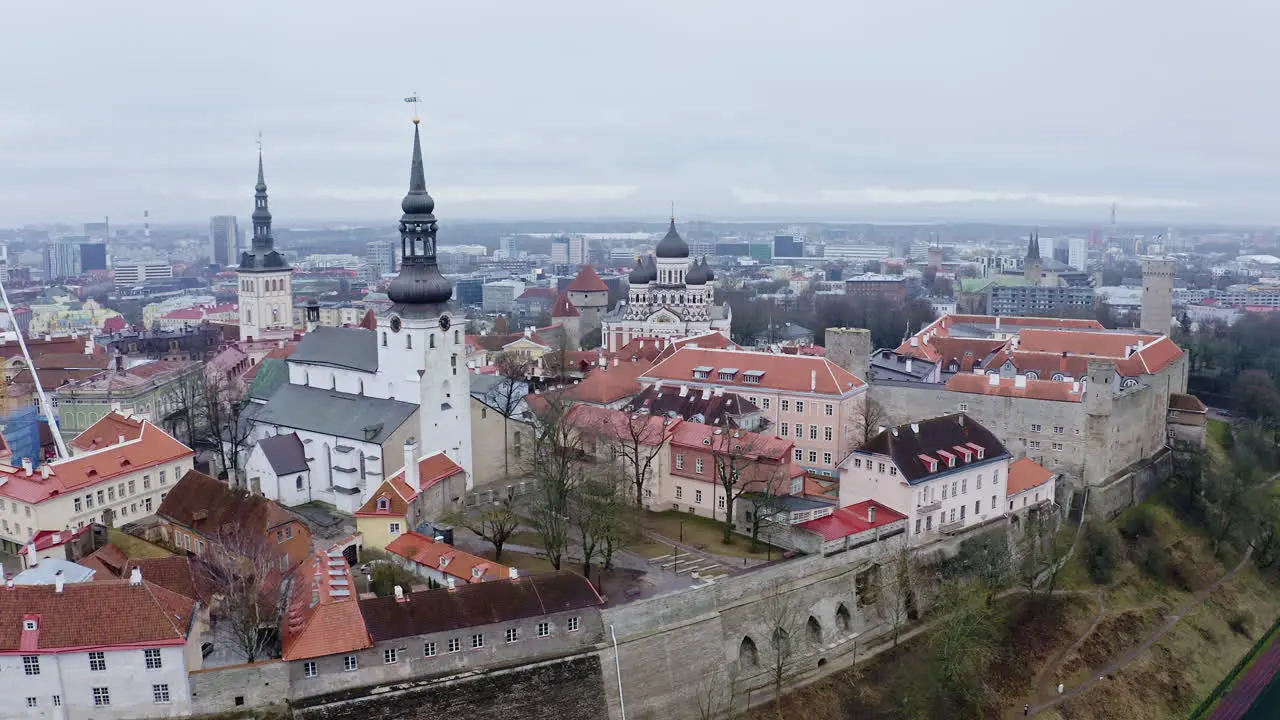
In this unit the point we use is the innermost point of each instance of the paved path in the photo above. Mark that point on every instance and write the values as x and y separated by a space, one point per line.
1133 654
1246 690
1043 686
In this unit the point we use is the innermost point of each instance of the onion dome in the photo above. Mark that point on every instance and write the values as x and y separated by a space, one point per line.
672 245
645 272
696 275
706 269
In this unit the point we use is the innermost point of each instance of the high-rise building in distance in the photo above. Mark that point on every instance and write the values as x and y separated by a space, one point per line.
61 259
380 256
224 240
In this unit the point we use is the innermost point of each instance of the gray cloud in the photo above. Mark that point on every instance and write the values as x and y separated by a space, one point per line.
573 108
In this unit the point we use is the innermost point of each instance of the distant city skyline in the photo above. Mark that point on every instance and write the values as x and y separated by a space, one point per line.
923 111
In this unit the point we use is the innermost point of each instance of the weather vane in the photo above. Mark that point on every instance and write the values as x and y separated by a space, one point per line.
415 100
259 142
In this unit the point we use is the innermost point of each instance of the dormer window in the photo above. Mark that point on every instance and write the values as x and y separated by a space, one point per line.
752 377
383 504
929 461
981 451
29 625
966 452
948 457
728 374
702 372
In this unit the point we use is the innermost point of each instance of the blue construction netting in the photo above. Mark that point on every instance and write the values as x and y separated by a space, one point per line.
22 432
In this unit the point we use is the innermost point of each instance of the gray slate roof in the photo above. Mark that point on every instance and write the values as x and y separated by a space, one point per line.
285 453
352 348
329 412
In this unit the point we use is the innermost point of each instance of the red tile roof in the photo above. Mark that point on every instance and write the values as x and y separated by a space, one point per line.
588 281
852 520
563 308
176 573
151 448
605 385
397 494
710 340
107 431
94 615
1025 474
323 617
207 505
1059 391
645 429
432 469
717 440
447 559
109 561
788 373
46 539
537 292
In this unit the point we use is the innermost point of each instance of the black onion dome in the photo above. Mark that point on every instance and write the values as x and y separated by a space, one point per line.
639 274
672 245
420 284
707 271
697 274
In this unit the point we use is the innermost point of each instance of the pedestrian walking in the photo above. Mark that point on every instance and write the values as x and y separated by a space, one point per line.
1026 709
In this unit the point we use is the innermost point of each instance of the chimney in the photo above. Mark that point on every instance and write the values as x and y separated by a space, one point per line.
44 471
993 380
615 362
400 595
1020 381
871 513
120 439
135 576
26 466
57 538
915 428
450 583
58 582
1075 387
907 367
513 573
411 462
997 322
915 341
32 559
684 390
813 380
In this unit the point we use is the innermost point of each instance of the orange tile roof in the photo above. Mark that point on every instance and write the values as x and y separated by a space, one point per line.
605 385
788 373
710 340
447 559
323 617
396 492
107 431
1025 474
1036 389
588 281
432 469
152 447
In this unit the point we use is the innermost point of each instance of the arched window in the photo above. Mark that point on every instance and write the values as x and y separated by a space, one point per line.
333 381
383 504
408 341
748 656
457 337
384 339
844 622
814 630
432 338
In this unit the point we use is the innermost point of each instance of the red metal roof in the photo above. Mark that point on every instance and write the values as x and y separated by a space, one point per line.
588 281
852 520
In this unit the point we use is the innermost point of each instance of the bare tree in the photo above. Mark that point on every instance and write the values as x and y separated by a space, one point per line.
225 407
245 571
765 502
508 397
715 693
594 512
870 415
899 593
555 465
739 468
187 400
495 523
636 439
781 626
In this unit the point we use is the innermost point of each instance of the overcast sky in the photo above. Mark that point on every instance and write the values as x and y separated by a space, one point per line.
980 109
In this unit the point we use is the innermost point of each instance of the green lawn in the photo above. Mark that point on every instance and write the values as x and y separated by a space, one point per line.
704 534
134 547
524 562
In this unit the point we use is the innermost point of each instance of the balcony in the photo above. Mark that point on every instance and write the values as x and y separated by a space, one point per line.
932 507
951 527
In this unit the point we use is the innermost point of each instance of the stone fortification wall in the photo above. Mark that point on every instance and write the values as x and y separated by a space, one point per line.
262 686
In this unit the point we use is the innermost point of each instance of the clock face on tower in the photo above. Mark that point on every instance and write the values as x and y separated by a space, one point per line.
445 322
395 324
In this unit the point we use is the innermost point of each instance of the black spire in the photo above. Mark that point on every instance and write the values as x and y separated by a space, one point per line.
419 281
1033 246
262 240
262 255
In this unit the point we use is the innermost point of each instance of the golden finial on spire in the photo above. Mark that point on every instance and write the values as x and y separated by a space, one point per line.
673 211
415 100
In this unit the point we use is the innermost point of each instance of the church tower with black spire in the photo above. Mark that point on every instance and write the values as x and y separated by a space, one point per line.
266 280
421 337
